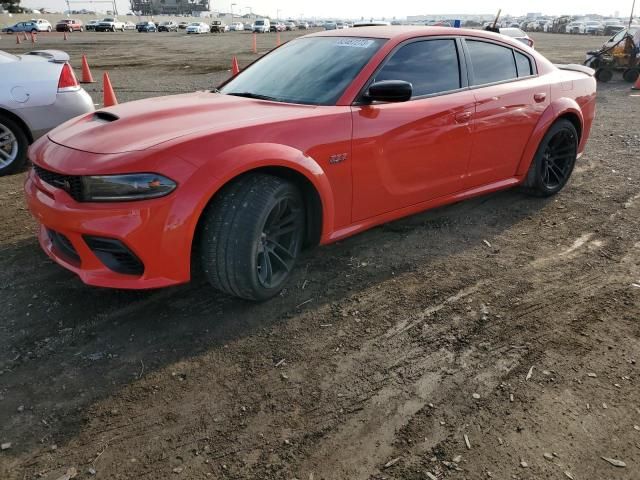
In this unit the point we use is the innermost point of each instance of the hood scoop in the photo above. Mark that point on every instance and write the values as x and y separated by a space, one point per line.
106 117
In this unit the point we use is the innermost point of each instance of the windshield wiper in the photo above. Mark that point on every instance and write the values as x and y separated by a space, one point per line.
254 95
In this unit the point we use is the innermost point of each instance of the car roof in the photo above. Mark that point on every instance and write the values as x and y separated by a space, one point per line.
400 33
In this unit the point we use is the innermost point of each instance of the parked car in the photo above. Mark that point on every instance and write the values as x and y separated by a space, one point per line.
169 26
21 27
90 26
262 25
218 26
69 25
109 24
129 26
518 35
576 28
238 180
248 27
237 27
144 27
303 25
38 91
341 26
42 25
330 25
594 28
183 25
198 27
611 27
277 27
290 25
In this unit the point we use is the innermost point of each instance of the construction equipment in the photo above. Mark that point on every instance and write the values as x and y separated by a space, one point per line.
620 53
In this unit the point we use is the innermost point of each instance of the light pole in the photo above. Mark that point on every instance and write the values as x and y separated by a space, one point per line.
232 5
278 14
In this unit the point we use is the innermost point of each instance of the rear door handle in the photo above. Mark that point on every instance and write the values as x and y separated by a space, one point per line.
463 117
540 97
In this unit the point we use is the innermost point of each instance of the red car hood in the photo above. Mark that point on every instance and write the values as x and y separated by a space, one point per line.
146 123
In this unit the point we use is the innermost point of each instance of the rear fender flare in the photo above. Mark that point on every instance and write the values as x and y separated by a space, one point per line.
555 110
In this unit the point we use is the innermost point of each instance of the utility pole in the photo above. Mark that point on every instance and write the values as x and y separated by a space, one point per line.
633 8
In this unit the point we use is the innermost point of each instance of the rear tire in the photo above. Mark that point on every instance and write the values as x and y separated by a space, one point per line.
251 236
554 161
631 74
13 146
604 75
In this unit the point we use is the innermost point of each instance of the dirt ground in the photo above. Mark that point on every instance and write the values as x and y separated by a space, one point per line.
495 338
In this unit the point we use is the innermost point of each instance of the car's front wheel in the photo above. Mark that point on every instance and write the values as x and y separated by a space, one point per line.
13 146
554 161
251 236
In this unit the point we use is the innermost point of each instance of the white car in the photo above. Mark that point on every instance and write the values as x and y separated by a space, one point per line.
129 26
198 27
262 25
42 25
237 27
576 28
38 91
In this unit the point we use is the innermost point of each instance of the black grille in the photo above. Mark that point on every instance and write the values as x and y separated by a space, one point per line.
69 183
63 247
115 255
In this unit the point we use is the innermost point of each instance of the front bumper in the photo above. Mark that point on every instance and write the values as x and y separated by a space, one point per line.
144 228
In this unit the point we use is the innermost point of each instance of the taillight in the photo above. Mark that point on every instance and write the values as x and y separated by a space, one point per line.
530 42
67 81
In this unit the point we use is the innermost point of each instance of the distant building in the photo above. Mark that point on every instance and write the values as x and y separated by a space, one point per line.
169 7
533 15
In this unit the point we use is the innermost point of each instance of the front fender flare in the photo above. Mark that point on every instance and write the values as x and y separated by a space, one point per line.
216 172
556 109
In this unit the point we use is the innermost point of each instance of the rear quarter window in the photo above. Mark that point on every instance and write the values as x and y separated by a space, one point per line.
491 62
523 63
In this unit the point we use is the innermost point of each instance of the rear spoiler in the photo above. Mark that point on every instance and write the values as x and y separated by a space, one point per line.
54 56
577 68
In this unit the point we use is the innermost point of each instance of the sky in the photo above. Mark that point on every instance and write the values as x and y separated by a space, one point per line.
379 9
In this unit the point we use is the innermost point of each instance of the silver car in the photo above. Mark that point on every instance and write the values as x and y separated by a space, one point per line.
38 91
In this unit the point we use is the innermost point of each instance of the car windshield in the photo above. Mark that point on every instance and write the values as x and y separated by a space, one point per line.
312 71
512 32
259 22
195 24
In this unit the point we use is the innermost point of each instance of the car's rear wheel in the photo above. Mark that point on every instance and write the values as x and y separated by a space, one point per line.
13 146
251 236
554 161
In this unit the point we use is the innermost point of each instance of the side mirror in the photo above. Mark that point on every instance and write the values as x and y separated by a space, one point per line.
389 91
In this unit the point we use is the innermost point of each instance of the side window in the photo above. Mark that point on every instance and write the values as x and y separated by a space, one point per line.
491 62
524 64
431 66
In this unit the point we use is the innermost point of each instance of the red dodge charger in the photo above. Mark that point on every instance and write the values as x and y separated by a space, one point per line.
324 137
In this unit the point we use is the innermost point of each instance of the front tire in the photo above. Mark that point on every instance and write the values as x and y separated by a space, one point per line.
251 236
554 161
13 146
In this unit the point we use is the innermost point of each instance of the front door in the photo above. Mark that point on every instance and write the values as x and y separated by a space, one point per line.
407 153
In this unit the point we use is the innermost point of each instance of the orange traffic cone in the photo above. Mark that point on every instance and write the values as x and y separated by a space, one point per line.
18 39
109 96
235 69
278 40
86 73
636 86
255 43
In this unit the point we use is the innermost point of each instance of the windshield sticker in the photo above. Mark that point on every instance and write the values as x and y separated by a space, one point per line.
354 42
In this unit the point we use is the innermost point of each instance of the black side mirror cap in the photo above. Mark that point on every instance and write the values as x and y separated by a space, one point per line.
389 91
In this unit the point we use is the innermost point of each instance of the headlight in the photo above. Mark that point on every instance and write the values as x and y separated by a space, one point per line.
119 188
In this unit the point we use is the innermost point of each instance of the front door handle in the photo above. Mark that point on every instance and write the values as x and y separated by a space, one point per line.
540 97
463 117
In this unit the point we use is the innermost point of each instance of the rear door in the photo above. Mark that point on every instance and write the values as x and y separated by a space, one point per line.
510 99
407 153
